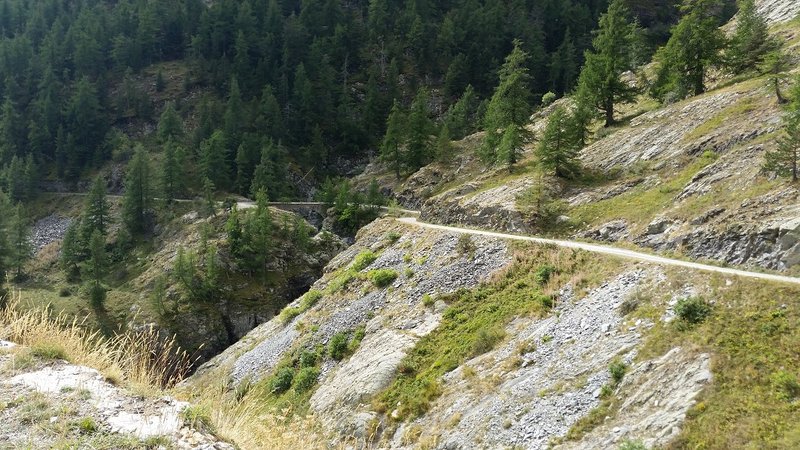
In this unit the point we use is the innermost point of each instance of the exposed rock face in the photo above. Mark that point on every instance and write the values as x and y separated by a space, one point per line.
83 391
657 395
534 387
777 11
48 230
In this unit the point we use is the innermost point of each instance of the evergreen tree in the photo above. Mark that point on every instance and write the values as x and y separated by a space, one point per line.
95 215
270 116
173 180
564 65
209 203
233 228
693 47
94 269
170 126
392 149
751 40
21 248
775 64
612 55
784 160
419 129
461 117
214 161
137 199
234 119
72 252
510 104
6 248
557 150
444 146
258 230
511 145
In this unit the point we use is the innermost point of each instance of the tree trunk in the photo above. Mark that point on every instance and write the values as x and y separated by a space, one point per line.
609 107
778 94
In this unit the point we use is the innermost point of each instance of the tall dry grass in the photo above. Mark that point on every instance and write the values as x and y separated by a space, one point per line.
142 359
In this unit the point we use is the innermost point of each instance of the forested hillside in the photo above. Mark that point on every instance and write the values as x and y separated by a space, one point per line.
265 82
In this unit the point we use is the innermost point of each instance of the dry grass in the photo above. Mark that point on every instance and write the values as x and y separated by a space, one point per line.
140 359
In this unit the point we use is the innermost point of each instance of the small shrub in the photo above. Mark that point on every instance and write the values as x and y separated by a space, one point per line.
282 380
465 246
382 277
543 274
87 425
546 338
49 350
64 292
606 391
692 310
337 347
546 301
306 379
308 359
408 273
486 340
393 237
786 385
358 336
289 313
310 299
363 260
632 445
617 370
428 301
548 98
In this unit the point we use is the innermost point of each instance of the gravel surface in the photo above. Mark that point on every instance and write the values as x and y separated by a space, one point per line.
48 230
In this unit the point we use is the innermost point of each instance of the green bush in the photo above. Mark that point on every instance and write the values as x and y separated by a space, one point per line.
289 313
310 299
282 380
393 237
382 277
428 301
486 339
87 425
786 385
363 260
465 246
358 336
617 370
51 351
632 445
692 310
308 359
306 379
548 98
337 347
543 274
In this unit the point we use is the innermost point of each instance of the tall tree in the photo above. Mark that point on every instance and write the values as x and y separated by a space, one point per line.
170 125
5 245
173 175
137 199
419 129
21 248
94 269
775 65
510 104
214 163
610 57
393 142
785 158
751 40
557 150
96 215
694 46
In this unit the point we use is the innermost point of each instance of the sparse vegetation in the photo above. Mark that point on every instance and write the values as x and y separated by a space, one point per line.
382 278
692 310
363 260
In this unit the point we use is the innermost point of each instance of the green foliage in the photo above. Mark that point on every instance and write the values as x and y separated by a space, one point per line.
337 347
21 248
510 105
549 98
465 246
428 300
632 445
557 151
784 159
170 125
86 425
693 47
382 278
49 351
96 213
281 381
617 370
785 385
363 260
392 149
486 340
692 310
138 195
611 56
305 379
750 42
775 64
544 273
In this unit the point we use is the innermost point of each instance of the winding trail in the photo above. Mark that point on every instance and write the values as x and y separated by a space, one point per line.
608 250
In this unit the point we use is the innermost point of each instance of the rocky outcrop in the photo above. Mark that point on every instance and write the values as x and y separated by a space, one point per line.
778 11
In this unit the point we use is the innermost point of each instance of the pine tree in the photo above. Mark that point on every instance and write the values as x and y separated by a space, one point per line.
94 269
564 65
612 55
557 150
95 215
393 142
209 203
72 252
137 199
693 47
170 125
751 40
270 118
259 232
510 104
419 129
511 145
213 160
775 64
233 227
6 248
784 160
233 120
444 146
461 117
21 248
173 180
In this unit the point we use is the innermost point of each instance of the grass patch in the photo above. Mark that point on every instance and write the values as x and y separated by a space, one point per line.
48 351
382 278
743 107
363 260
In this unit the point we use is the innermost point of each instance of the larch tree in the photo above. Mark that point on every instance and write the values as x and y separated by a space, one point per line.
775 65
611 56
510 103
393 141
170 125
751 40
785 158
138 195
96 213
692 49
419 129
21 247
557 151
